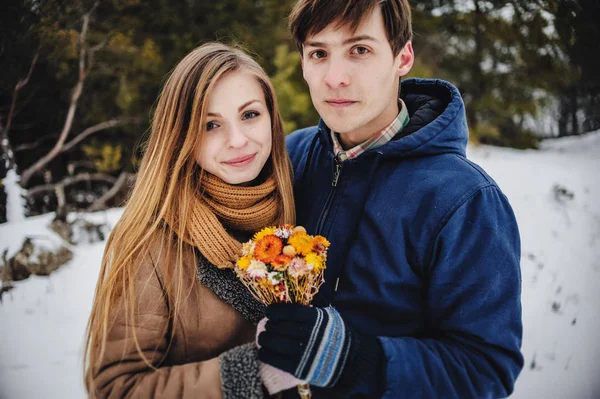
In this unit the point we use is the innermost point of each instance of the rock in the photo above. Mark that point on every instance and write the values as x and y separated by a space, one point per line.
49 261
28 261
63 229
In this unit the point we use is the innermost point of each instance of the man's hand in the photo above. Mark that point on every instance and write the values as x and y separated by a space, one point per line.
273 379
316 345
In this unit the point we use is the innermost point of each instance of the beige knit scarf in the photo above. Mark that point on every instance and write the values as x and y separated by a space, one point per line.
223 206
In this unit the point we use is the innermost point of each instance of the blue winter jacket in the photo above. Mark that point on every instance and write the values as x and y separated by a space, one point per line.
424 252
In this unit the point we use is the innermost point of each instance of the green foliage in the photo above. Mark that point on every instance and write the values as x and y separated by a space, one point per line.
106 157
421 69
294 100
498 53
508 58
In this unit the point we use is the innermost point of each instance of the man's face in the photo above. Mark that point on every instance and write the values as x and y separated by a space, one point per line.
353 77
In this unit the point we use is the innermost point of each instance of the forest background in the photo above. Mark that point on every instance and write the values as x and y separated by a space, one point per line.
79 79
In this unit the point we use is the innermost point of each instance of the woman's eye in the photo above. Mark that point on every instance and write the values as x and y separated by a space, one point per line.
360 50
211 126
317 54
249 115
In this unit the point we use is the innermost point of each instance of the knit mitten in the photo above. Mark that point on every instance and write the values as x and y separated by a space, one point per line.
317 346
274 379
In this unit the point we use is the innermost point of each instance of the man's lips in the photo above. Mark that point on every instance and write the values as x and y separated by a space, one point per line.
241 161
340 102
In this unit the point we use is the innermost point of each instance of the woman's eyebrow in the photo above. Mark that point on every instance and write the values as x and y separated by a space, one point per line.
247 103
244 105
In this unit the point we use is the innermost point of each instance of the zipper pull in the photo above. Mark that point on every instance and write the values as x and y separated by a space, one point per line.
336 176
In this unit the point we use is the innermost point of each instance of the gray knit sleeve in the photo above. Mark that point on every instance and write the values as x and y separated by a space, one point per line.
240 373
227 286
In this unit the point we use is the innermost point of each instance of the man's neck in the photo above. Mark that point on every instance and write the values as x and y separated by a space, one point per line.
365 132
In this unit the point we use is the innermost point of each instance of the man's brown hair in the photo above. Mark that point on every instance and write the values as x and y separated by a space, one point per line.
310 17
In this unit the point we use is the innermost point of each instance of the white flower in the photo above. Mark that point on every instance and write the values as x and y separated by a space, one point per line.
283 233
257 269
298 268
274 278
248 248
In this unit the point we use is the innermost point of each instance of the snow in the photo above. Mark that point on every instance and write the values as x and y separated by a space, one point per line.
43 319
15 203
560 261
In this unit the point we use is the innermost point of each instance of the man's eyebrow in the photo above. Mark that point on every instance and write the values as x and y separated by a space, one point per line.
351 40
360 38
244 105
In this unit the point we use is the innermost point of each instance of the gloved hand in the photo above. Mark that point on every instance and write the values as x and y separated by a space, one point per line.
317 346
274 379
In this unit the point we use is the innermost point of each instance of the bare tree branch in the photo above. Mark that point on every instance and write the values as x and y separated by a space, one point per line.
100 203
72 166
80 136
61 202
23 104
4 141
67 181
97 128
75 95
31 146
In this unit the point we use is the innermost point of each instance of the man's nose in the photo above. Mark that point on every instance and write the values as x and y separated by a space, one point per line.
236 136
337 74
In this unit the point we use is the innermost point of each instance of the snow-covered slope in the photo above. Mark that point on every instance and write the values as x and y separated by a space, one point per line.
555 195
560 238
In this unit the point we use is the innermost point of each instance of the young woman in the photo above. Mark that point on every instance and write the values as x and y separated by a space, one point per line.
169 318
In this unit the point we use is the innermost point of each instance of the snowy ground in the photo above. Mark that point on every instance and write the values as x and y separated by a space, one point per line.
42 320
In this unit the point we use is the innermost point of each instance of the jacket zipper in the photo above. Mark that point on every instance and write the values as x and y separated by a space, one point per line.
336 176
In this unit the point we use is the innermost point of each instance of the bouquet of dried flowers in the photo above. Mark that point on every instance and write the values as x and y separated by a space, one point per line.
283 264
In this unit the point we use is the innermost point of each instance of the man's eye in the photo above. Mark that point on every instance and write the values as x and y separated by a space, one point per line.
250 115
211 126
317 54
360 50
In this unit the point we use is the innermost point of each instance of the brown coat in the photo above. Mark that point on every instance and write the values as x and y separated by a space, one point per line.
206 327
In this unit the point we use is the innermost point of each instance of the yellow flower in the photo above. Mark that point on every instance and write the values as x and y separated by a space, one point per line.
302 242
244 262
316 261
299 229
267 231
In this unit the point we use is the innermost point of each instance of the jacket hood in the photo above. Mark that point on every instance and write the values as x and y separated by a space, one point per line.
437 121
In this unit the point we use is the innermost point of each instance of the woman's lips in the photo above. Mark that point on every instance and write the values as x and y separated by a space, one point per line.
241 161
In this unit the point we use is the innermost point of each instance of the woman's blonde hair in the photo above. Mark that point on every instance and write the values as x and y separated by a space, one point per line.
168 180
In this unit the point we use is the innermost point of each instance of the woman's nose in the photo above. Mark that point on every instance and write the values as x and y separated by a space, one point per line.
236 137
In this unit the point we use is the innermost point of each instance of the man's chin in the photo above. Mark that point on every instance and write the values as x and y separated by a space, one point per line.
337 125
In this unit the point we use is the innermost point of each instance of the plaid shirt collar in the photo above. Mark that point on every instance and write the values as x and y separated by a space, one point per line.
376 141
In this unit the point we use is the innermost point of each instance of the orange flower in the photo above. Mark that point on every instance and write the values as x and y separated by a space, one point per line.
267 248
321 240
280 262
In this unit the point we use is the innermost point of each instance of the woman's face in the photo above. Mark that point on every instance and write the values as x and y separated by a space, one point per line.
237 138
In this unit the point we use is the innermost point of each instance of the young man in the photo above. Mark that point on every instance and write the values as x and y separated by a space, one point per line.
422 287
